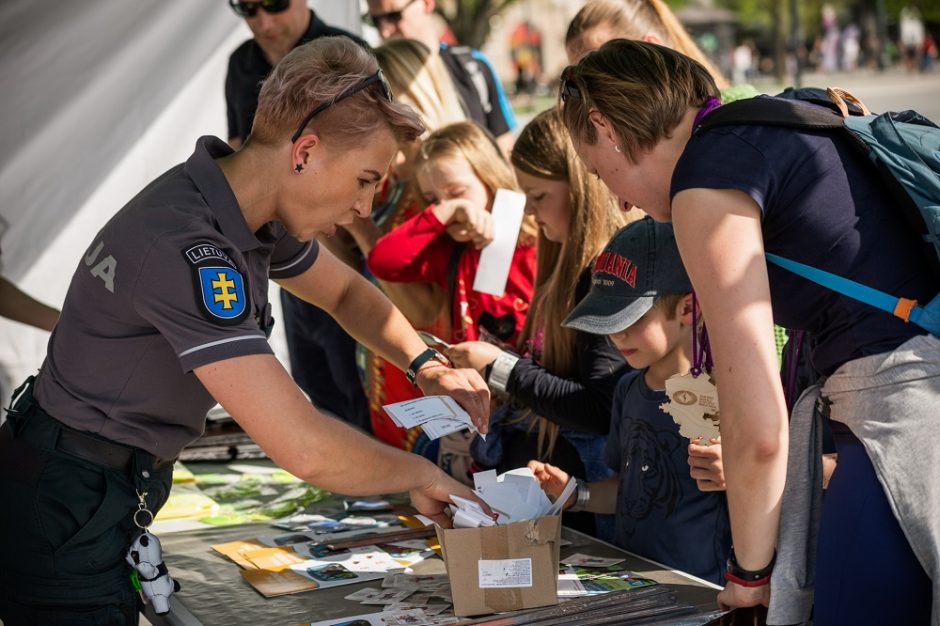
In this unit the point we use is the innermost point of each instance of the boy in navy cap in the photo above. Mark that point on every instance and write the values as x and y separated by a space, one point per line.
641 298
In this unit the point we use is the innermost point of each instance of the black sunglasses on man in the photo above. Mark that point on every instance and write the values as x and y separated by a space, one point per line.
250 8
392 17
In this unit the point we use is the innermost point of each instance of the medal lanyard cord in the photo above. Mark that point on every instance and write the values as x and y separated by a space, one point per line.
701 350
701 354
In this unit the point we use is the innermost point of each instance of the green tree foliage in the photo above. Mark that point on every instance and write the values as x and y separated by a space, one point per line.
929 9
759 14
470 19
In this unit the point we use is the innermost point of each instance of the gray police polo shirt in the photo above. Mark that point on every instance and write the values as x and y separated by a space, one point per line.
174 280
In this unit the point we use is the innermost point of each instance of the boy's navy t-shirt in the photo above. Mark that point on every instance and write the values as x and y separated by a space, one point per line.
823 205
661 513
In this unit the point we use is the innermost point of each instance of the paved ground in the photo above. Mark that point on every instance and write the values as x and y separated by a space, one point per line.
892 90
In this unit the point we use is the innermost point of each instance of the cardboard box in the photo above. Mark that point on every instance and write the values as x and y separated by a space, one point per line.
503 568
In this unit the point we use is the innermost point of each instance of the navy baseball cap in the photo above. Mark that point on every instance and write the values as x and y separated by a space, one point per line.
639 264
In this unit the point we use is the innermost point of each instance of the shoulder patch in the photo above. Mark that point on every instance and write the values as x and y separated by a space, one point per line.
219 288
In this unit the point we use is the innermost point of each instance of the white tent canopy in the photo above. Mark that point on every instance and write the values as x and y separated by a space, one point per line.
99 98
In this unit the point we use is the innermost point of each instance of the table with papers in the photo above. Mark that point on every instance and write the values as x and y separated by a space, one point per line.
214 592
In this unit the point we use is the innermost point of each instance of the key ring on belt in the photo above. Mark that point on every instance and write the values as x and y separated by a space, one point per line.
142 508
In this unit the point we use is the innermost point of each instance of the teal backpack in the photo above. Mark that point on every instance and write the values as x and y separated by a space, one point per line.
903 146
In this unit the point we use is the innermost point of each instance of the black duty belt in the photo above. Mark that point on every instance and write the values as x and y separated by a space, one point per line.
94 450
101 451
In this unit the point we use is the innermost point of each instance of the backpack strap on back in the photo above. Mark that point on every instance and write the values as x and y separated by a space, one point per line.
767 111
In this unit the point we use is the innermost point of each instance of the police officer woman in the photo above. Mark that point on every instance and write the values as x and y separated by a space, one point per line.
167 313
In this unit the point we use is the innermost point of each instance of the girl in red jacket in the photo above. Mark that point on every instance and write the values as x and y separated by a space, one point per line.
458 170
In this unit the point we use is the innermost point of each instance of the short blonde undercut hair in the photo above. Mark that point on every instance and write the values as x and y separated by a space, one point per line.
316 73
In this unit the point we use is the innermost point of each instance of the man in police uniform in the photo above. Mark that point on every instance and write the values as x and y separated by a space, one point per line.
480 89
322 354
167 313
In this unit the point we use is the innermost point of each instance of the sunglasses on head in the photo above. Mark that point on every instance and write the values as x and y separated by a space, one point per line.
250 9
377 78
568 88
392 16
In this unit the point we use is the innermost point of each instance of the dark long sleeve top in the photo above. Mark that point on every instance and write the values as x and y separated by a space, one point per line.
581 403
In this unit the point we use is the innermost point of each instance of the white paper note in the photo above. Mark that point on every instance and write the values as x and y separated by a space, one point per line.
496 257
437 415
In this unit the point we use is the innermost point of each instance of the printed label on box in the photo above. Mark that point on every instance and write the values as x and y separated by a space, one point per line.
505 573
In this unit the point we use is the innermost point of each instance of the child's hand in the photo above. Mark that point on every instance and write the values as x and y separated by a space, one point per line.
466 221
705 465
552 479
473 354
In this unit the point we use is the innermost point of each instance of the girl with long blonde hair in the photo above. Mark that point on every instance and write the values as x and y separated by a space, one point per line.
560 381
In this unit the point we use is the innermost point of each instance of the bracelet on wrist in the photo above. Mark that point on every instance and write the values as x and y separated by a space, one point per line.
582 496
760 582
748 578
501 368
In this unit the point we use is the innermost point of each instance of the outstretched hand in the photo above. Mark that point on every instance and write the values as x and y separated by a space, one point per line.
432 499
552 479
473 354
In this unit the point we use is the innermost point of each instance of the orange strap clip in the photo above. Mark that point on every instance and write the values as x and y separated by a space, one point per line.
903 308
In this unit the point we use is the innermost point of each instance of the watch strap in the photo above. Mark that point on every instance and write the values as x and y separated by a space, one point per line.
412 372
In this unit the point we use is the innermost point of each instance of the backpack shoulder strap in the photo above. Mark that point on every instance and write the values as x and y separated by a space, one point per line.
927 316
770 111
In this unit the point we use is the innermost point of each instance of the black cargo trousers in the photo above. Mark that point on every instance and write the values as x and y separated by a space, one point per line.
67 504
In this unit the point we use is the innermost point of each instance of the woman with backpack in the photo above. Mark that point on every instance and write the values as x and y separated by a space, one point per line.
733 193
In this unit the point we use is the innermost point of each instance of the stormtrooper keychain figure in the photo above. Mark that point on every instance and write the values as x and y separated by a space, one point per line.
693 397
146 557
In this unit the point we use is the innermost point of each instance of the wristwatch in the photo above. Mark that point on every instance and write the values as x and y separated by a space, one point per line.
748 578
428 355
